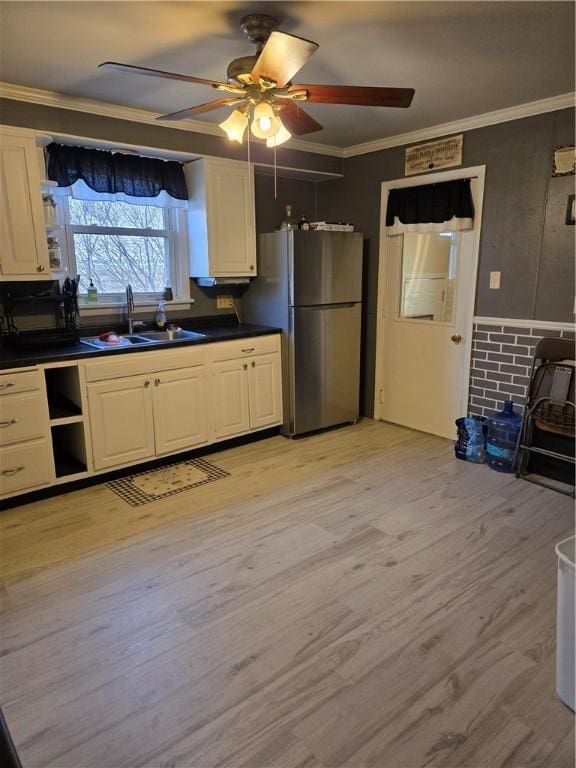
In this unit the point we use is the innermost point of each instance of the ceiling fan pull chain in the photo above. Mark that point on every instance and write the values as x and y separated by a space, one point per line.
250 190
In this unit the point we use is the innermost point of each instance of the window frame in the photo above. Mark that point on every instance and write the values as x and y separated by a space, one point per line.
175 231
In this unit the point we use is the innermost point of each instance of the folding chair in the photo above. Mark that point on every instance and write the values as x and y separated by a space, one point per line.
545 449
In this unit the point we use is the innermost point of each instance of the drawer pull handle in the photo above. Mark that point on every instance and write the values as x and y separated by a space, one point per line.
253 364
8 384
250 349
156 382
146 384
13 471
245 366
8 423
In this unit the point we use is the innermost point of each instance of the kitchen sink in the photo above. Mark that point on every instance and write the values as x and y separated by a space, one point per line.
126 341
171 335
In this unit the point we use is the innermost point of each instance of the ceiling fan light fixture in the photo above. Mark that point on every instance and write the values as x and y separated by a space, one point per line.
265 124
279 138
235 125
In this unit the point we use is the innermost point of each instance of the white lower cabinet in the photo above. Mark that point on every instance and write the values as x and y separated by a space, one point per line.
121 421
230 398
131 408
265 391
180 410
247 394
25 466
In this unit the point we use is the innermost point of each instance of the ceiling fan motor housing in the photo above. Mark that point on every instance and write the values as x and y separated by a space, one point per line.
239 69
257 28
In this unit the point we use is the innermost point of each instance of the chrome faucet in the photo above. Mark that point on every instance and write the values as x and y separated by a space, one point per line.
130 309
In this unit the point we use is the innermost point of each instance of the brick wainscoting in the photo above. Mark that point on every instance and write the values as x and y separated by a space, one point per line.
501 362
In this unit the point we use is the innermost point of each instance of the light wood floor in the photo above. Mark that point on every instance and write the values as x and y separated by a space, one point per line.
355 599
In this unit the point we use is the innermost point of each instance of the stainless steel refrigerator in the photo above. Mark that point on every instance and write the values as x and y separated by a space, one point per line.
310 285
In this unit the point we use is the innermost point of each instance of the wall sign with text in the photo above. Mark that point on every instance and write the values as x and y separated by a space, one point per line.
445 153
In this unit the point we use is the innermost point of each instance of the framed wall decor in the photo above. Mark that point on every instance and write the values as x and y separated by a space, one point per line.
564 161
433 155
571 210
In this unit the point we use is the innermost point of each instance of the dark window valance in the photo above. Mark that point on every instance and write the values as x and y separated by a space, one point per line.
444 205
114 172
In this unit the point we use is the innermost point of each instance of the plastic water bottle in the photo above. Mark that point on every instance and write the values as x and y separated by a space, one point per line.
471 442
501 436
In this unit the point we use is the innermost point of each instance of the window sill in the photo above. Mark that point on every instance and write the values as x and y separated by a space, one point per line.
139 307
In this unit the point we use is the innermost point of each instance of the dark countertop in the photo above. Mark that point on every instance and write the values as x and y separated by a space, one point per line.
215 331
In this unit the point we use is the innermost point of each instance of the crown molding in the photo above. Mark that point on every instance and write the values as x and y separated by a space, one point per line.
551 104
107 109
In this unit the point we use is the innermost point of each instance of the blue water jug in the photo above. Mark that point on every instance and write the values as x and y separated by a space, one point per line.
471 442
501 436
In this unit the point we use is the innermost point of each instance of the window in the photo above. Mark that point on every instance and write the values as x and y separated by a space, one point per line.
113 243
429 276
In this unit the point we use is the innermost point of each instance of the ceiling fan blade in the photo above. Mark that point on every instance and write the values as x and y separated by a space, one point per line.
184 114
131 69
282 56
363 96
297 120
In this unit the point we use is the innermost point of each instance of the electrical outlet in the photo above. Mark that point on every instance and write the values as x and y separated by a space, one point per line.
224 302
495 280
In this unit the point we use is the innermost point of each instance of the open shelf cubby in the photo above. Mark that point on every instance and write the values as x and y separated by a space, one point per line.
69 448
64 394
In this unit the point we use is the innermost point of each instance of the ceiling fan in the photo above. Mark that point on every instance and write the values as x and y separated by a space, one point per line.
260 87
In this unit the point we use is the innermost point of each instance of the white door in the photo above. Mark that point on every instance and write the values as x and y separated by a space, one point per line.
24 250
230 210
265 391
230 402
424 338
121 421
180 410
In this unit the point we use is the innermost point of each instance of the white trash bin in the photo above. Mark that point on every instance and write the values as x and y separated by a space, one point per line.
565 618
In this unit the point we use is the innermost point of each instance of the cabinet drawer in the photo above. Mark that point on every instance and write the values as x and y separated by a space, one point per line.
231 350
136 364
10 383
22 417
25 466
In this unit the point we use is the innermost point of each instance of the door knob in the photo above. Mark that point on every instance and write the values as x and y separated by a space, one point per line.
245 366
456 338
253 364
40 268
146 384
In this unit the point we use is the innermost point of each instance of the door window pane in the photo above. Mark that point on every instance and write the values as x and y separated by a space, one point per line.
112 261
428 275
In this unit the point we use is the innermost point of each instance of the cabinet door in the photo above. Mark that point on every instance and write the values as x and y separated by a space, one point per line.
121 421
180 410
229 387
230 210
265 391
24 251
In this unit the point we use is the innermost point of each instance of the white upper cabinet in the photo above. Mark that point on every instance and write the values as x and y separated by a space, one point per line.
23 246
221 218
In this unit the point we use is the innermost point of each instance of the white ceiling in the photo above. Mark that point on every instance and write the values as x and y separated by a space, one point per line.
463 58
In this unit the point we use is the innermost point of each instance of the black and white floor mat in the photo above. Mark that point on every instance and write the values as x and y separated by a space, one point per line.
155 484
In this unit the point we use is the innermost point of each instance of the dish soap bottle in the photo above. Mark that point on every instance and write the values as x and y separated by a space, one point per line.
160 316
92 293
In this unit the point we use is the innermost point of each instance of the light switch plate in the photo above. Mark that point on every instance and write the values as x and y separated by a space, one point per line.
224 302
495 280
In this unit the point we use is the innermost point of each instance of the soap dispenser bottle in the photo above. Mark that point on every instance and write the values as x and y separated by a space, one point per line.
160 316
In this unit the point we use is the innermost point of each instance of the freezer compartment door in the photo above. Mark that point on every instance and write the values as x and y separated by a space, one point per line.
325 351
326 268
